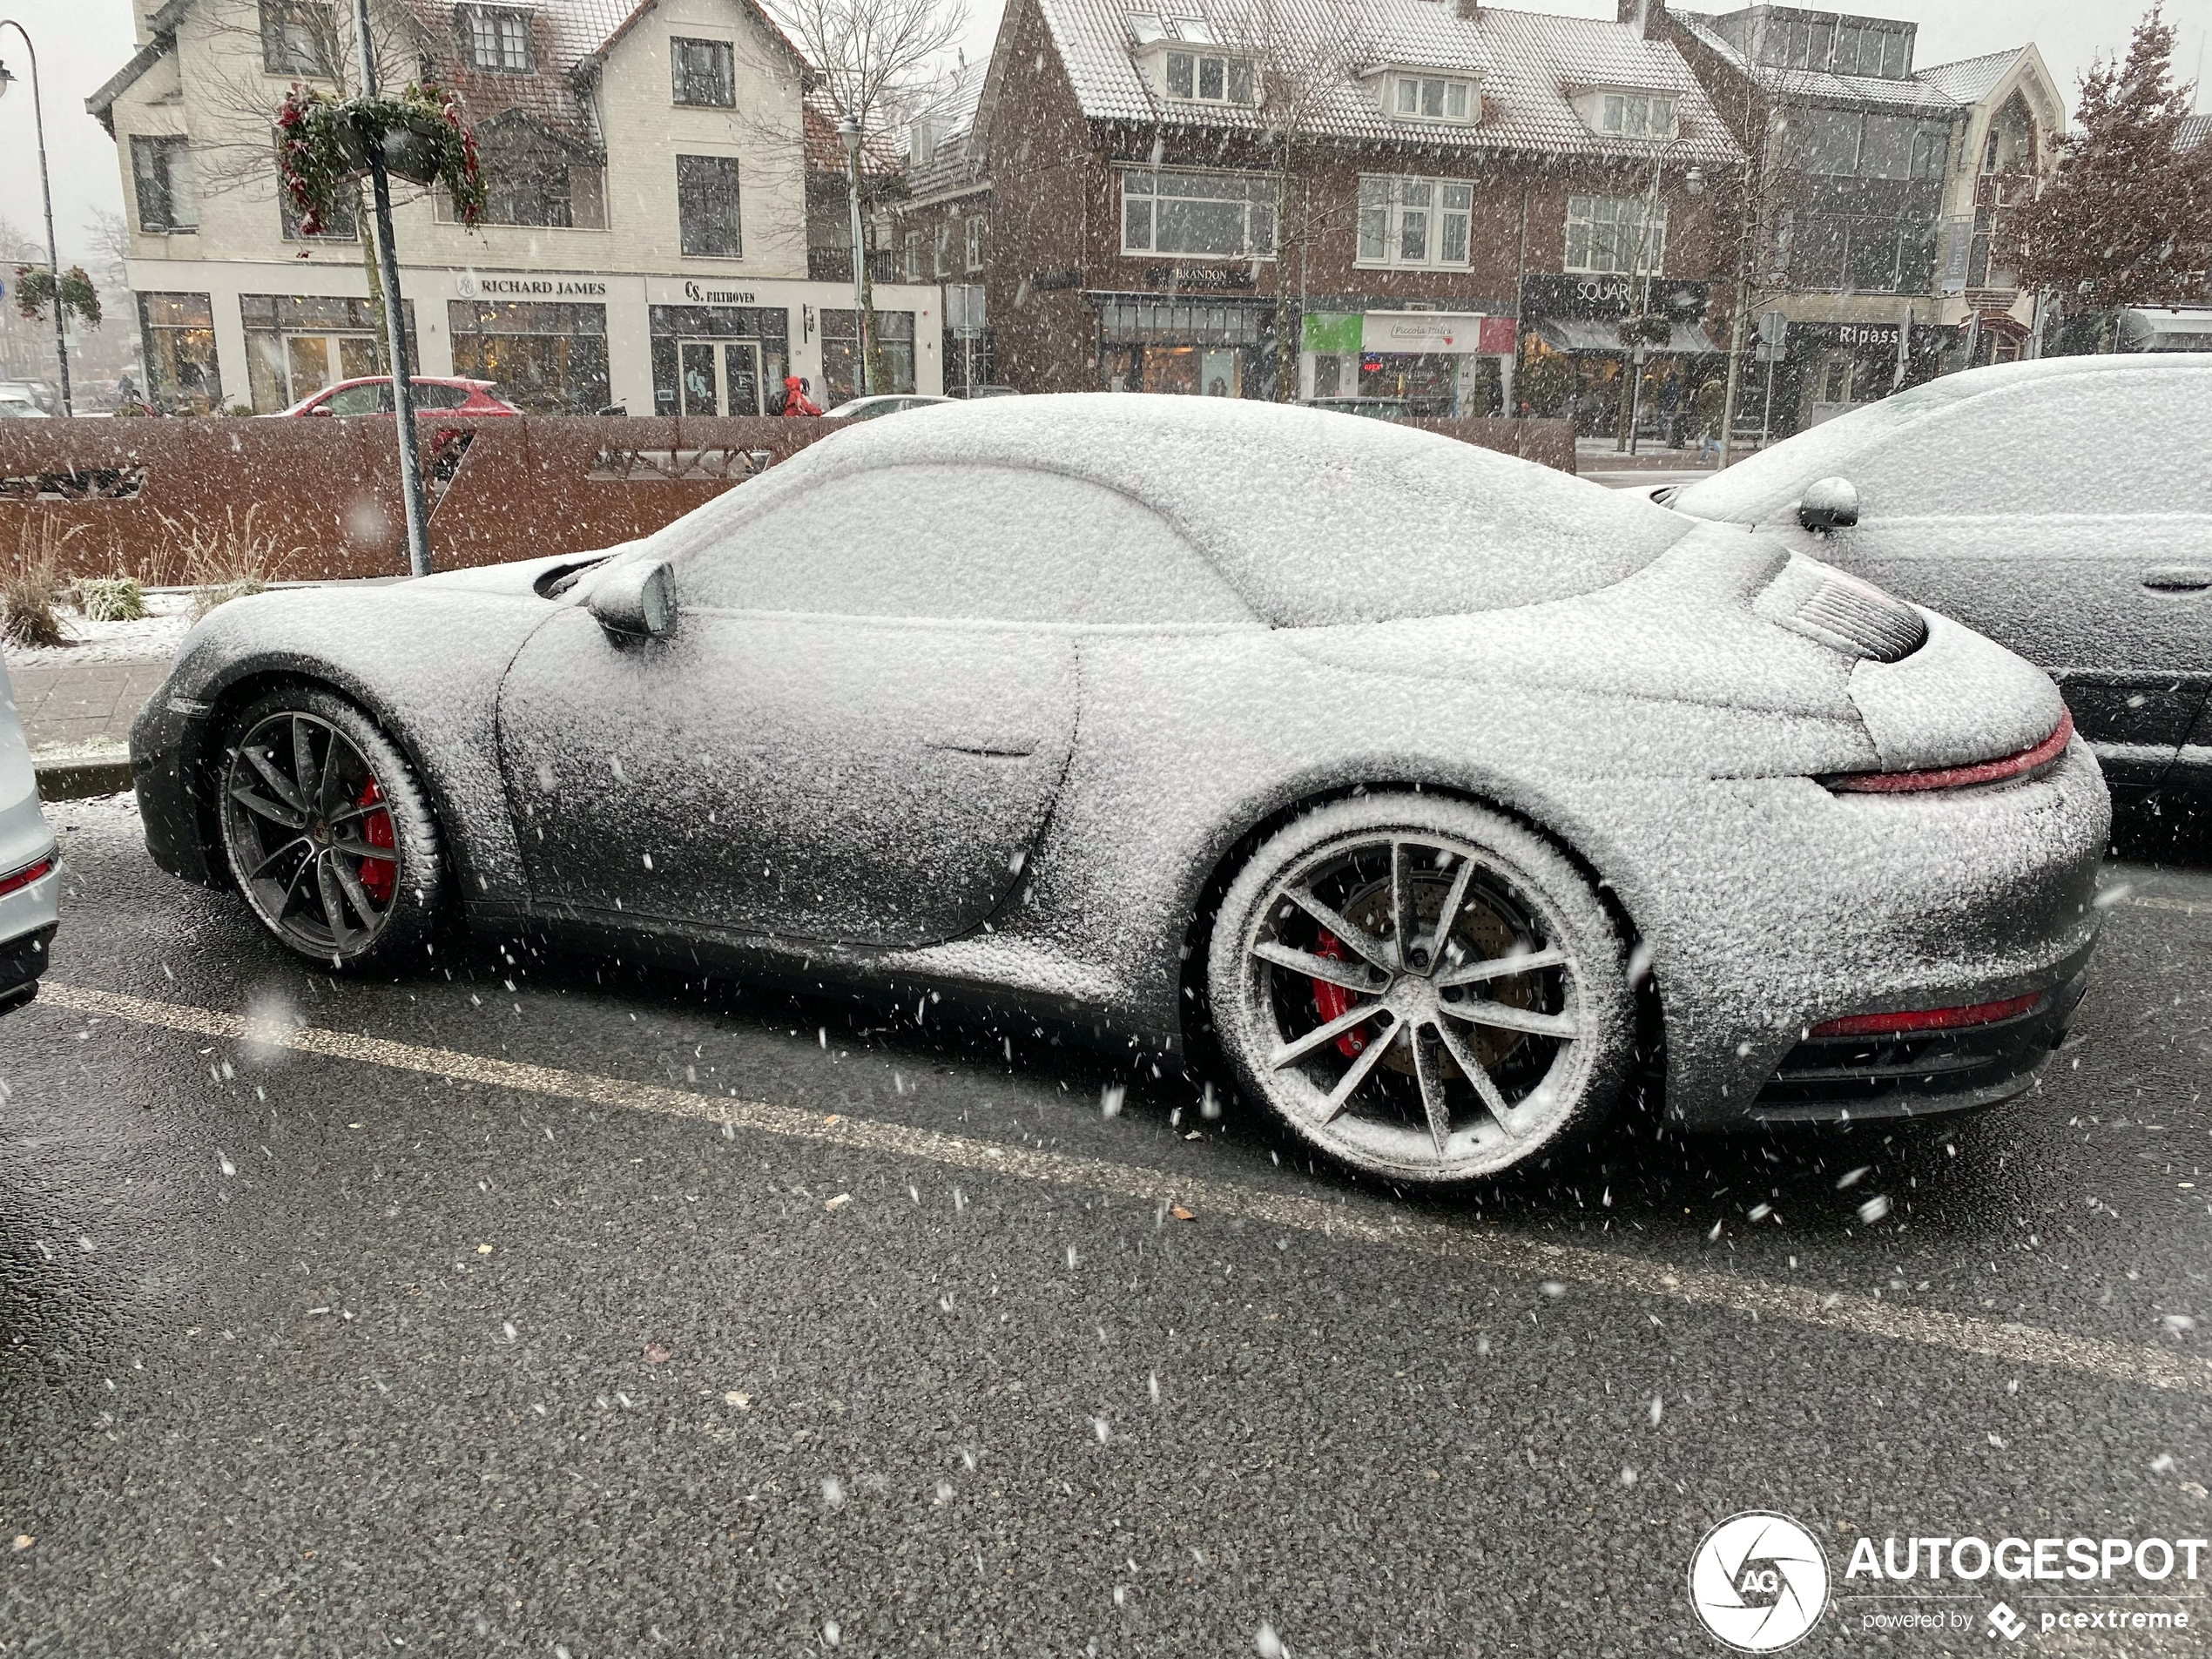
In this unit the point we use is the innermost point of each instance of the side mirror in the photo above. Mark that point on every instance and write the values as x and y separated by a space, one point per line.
323 410
635 601
1829 504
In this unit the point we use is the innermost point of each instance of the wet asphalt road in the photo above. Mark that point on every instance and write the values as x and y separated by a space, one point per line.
300 1355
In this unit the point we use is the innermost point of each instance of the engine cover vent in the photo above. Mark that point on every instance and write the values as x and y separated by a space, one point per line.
1843 612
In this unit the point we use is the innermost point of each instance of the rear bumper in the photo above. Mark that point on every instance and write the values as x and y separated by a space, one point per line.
1922 1074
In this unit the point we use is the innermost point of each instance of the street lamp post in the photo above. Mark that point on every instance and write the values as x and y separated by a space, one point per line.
46 189
418 514
849 129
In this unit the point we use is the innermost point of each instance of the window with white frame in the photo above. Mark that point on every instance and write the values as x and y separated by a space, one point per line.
161 167
1415 96
944 265
973 227
1604 234
1202 215
1202 77
913 256
496 38
1637 115
1418 224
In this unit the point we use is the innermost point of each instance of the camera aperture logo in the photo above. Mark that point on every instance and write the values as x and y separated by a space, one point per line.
1759 1582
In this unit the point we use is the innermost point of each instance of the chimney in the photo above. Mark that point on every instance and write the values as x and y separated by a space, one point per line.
1470 10
1646 17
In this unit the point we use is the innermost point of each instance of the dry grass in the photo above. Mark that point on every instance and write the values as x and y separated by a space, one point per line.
31 587
109 598
225 561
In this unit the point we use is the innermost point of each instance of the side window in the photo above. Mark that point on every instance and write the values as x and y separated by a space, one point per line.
372 398
2083 446
430 396
980 543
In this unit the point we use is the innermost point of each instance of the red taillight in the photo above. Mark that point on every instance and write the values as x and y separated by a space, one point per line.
2026 763
24 877
1881 1025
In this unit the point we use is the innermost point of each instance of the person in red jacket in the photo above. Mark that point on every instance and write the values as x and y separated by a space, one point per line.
795 399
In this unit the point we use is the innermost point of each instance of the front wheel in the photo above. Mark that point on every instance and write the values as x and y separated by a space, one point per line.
328 831
1420 987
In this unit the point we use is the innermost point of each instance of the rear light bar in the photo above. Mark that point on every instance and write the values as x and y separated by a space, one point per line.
26 876
1907 1020
2028 763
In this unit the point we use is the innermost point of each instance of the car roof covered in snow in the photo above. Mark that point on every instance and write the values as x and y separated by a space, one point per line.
1314 518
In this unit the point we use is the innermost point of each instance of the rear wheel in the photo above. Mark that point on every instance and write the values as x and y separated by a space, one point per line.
328 831
1420 987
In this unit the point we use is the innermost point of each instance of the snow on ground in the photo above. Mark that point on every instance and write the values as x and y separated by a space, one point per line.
152 639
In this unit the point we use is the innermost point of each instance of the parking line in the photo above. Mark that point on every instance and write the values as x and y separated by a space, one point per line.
1361 1220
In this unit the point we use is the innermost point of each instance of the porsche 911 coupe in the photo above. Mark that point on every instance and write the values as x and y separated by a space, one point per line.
1398 780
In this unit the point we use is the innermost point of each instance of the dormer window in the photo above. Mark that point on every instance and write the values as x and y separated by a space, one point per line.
497 38
1204 79
1413 96
1170 50
1637 115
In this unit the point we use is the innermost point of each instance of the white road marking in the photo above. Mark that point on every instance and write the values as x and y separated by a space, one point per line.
2187 906
1363 1221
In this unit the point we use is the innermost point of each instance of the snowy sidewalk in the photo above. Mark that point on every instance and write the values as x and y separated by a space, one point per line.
81 705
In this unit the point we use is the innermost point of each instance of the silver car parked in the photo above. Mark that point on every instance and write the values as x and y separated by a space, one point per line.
1405 782
2063 508
31 883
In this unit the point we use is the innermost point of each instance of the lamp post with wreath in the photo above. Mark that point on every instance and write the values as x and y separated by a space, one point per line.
324 142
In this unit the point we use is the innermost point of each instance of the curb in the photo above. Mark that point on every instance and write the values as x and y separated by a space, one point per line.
82 780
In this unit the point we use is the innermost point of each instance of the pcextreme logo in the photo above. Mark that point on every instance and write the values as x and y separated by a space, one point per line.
1759 1582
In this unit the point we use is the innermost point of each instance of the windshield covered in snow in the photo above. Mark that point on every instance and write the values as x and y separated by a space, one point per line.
1767 484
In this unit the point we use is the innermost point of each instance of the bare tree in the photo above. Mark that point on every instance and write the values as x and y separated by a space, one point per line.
314 40
1303 62
870 59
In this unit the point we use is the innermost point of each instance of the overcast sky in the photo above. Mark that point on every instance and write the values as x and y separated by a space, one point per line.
81 43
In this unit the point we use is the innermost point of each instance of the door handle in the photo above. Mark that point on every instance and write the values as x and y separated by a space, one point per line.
2178 579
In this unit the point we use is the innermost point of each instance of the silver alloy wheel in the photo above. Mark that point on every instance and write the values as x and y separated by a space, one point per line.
311 834
1415 1003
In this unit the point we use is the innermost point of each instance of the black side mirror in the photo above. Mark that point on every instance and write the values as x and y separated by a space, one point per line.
635 601
1829 504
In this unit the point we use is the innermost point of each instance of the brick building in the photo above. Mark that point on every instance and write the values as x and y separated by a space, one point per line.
1403 201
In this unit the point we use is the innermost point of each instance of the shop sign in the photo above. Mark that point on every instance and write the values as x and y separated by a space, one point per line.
1444 333
1199 278
469 286
700 295
1609 297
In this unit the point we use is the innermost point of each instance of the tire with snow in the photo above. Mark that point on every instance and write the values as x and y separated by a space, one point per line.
328 831
1420 987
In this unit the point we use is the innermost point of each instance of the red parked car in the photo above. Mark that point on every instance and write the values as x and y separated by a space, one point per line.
447 396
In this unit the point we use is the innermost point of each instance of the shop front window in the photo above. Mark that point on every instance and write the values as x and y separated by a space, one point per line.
841 347
545 359
1190 347
297 344
718 359
179 334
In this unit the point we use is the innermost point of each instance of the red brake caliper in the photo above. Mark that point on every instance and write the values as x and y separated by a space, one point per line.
1334 1001
380 877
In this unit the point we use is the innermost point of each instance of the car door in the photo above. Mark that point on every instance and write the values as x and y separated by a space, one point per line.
2070 520
855 731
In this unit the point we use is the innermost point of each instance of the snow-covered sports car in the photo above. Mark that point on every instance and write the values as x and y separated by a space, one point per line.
1399 779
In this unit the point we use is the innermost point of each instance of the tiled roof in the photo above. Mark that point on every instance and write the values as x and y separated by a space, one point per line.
1819 86
950 110
2194 131
1530 64
1969 80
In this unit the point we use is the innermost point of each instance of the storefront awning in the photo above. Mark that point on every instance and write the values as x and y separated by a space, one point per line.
1574 335
2167 328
